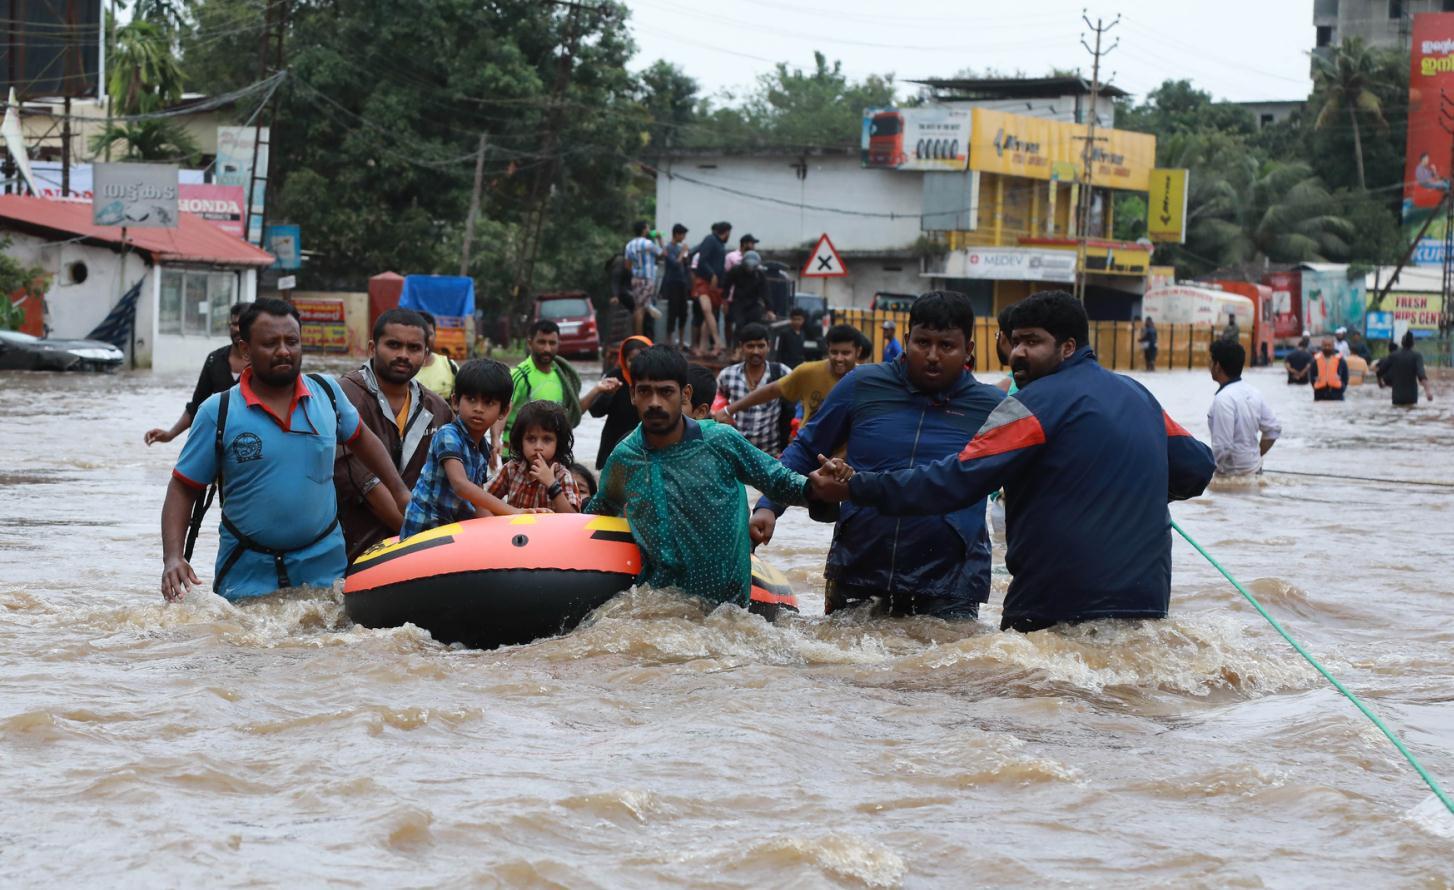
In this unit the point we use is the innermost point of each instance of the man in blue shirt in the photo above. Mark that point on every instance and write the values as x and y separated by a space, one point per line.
276 448
892 349
896 416
641 253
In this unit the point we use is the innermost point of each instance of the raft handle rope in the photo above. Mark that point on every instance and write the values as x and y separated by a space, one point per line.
1361 478
1357 702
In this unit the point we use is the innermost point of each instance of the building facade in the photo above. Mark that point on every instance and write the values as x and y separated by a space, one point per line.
1384 24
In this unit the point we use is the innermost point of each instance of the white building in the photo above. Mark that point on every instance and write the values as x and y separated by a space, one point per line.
189 276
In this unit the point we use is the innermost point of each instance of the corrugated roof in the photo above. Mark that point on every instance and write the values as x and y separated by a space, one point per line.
1018 87
194 240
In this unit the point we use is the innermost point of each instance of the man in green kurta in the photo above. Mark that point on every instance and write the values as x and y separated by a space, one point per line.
679 483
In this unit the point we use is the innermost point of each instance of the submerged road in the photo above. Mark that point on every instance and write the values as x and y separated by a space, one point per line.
147 744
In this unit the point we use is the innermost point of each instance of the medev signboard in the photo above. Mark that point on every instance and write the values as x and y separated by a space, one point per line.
926 138
1034 147
1426 158
138 196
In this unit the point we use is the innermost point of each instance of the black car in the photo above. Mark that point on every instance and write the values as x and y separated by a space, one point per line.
22 352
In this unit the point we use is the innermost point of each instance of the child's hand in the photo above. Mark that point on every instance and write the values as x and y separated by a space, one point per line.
541 472
538 510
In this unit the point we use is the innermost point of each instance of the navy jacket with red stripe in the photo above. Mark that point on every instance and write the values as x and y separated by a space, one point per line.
1088 460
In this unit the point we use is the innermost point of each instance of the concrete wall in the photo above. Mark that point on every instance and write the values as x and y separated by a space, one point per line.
748 192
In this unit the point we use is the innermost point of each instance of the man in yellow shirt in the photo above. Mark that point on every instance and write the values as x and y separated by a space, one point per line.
437 373
808 383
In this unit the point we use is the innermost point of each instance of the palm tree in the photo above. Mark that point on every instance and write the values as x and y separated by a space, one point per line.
149 140
1345 79
144 74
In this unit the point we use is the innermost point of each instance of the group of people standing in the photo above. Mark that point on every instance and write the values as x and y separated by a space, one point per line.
1341 362
709 291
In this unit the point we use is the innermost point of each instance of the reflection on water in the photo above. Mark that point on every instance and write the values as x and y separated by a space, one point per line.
665 744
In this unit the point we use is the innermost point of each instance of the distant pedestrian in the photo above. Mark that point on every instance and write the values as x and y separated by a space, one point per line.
1232 332
707 282
439 369
676 286
1330 374
1148 343
892 349
1340 342
762 425
1403 371
1358 346
219 372
748 284
1243 427
1299 364
641 254
790 348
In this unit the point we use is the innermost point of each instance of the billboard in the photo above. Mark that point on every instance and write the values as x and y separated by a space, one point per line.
52 48
1036 148
324 322
915 138
220 205
236 147
138 196
1166 206
1417 312
1427 157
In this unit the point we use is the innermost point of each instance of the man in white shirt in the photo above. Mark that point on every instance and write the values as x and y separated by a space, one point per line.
1340 342
1243 427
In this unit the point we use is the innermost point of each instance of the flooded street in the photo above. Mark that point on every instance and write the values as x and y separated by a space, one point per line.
201 743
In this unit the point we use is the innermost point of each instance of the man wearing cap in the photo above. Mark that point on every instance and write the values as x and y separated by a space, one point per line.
747 282
1340 338
892 349
734 259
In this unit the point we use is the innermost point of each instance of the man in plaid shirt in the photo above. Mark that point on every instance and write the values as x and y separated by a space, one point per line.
641 253
761 425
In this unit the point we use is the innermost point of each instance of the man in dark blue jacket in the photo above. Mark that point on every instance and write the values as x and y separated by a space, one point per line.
905 413
1088 460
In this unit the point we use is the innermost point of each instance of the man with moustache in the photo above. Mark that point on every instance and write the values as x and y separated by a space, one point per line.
403 414
890 416
1088 460
269 443
680 482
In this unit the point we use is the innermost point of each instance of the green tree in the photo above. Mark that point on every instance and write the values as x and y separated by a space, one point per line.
669 99
149 140
1344 83
144 74
1178 107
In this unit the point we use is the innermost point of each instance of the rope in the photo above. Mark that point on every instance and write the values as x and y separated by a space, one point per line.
1362 478
1357 702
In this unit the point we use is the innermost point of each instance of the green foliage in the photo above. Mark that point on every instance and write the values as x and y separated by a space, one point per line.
1345 87
1178 107
149 140
143 74
16 278
1130 217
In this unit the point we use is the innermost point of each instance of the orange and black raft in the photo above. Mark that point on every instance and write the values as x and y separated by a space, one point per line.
503 580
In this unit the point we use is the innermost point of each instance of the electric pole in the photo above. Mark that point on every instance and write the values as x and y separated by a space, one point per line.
1087 179
1446 121
474 214
275 29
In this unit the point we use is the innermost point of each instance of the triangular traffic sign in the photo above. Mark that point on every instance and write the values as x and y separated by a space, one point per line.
824 261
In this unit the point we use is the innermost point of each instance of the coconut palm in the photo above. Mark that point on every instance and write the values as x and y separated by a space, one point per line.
1345 81
149 140
144 74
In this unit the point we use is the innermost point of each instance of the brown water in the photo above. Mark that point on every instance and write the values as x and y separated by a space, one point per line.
203 743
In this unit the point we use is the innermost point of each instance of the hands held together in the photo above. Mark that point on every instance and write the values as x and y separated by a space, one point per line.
830 480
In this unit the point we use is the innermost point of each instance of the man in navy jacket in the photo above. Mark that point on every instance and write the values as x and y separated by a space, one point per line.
895 415
1088 460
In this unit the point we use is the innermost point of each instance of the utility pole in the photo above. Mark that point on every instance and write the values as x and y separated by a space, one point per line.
275 28
1087 183
474 214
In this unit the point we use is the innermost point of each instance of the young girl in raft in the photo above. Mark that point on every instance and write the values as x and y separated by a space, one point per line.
539 473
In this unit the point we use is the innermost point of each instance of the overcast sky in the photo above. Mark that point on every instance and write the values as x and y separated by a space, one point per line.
1240 50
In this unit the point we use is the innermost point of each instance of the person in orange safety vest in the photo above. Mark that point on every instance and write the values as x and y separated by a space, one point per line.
1330 374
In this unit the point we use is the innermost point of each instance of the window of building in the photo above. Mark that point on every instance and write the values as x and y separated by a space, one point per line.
1447 6
195 302
1325 35
1265 120
1395 9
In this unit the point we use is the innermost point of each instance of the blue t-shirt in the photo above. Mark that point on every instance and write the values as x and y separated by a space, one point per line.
277 482
892 350
434 502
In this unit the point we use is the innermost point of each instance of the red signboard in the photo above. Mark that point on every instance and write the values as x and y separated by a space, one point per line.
324 326
220 205
1427 158
1287 303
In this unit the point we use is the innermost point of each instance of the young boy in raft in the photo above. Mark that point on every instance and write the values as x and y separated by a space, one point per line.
450 485
539 476
680 482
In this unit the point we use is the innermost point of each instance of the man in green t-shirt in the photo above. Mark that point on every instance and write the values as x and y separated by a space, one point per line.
544 376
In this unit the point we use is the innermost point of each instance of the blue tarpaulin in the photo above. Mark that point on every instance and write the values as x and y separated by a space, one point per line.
441 295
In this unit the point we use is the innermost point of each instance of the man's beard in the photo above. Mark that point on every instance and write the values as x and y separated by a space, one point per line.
274 377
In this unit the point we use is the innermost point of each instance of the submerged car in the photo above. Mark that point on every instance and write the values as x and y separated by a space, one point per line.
23 352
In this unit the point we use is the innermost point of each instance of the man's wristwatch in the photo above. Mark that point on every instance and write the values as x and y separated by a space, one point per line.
555 490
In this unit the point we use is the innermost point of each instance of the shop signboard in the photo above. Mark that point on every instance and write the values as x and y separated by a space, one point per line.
1417 312
1014 145
928 138
1017 264
135 196
1378 326
324 322
1166 206
1427 154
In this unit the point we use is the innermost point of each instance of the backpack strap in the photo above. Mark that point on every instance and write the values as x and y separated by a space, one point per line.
214 491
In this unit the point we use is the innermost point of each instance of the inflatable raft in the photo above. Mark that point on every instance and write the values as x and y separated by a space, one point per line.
504 580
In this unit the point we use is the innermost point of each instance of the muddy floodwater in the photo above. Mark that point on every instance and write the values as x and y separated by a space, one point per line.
660 745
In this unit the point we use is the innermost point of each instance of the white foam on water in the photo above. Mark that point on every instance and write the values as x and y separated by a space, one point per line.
1432 816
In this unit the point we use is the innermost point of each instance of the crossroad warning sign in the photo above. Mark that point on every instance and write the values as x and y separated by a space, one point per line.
824 262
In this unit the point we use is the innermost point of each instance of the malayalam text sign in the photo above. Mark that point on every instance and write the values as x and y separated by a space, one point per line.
324 324
1427 156
138 196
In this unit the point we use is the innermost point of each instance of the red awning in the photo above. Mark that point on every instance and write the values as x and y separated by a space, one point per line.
194 240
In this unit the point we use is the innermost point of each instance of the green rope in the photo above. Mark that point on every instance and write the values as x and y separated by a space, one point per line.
1408 755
